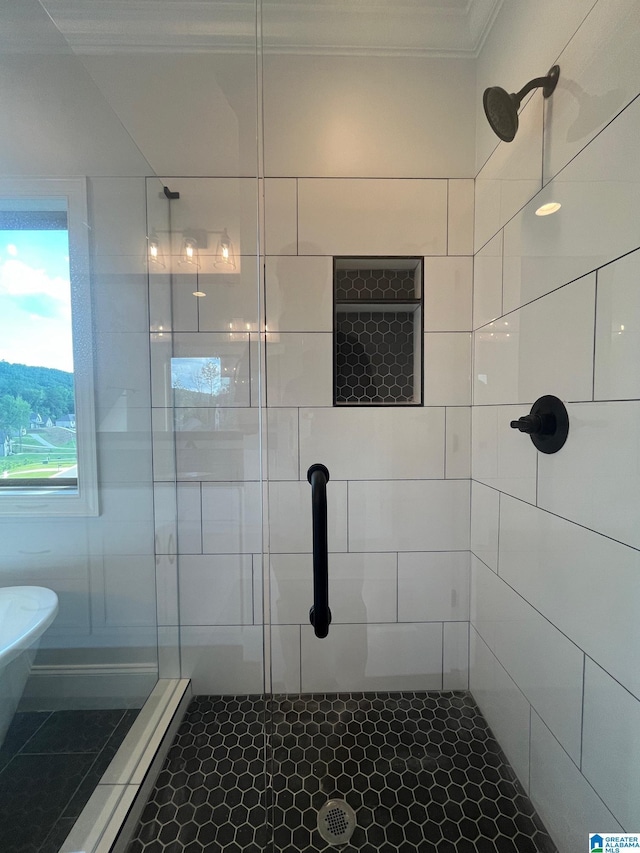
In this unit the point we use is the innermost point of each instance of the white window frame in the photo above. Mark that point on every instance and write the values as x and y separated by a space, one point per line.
46 500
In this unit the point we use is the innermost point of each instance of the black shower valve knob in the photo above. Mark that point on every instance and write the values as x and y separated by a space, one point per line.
535 424
547 424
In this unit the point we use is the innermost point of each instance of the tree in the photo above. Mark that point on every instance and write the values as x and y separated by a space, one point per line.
211 374
14 415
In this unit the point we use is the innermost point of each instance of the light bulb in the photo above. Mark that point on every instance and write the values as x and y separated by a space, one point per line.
224 253
190 251
153 249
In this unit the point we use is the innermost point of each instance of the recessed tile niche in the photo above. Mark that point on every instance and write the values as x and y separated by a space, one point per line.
377 341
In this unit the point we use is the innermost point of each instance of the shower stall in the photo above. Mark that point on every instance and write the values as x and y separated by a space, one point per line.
287 253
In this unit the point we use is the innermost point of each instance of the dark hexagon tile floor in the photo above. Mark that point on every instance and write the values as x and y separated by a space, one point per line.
422 771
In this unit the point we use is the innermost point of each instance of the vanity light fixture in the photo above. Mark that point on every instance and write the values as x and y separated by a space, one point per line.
548 208
225 258
189 254
501 108
154 254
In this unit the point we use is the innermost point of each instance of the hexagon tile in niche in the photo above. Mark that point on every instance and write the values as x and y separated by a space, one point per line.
374 357
422 771
354 285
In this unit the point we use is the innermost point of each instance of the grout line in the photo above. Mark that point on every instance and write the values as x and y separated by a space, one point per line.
397 587
297 218
469 641
442 664
300 653
202 551
548 621
253 589
501 272
498 542
542 145
348 530
343 624
570 758
385 406
480 560
584 674
448 199
612 677
593 138
595 328
529 762
528 403
563 518
30 738
445 442
299 447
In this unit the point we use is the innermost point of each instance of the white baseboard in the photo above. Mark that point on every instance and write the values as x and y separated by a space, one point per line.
58 687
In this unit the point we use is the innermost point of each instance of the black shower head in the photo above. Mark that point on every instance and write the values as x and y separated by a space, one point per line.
501 108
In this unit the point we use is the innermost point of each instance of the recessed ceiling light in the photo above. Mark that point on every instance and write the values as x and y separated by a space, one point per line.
199 293
548 208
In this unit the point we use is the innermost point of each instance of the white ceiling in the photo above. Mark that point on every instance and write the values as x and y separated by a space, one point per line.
452 28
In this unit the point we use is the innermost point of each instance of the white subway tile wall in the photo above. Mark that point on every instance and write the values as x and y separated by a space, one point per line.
555 591
487 282
457 463
571 807
610 743
398 496
510 176
485 509
504 706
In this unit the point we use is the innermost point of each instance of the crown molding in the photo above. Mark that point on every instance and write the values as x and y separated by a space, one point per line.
421 28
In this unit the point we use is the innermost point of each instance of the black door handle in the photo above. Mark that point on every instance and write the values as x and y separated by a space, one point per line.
319 615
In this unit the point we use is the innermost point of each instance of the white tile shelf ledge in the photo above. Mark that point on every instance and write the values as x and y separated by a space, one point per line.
110 817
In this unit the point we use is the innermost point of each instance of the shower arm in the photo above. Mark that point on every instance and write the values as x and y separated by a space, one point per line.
320 614
546 83
532 84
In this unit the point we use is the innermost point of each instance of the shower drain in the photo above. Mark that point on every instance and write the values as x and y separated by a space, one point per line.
336 822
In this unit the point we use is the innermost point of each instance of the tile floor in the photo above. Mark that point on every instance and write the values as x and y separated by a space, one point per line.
422 771
50 763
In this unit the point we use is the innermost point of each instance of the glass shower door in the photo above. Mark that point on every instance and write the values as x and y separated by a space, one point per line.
76 503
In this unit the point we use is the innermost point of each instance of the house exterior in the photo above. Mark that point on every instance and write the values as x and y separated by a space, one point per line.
67 421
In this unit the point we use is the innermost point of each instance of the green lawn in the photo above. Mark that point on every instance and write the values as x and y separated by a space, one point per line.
30 462
36 473
20 464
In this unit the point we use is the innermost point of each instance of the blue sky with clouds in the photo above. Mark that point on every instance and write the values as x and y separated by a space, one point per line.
35 304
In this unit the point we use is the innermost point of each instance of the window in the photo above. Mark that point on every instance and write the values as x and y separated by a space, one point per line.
47 421
378 331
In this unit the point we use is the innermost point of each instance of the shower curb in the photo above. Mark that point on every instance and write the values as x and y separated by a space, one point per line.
109 819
